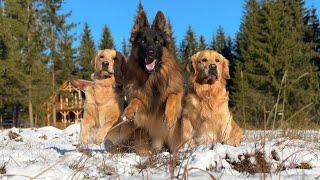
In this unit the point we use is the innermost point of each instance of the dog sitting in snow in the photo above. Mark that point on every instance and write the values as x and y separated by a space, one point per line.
104 100
206 116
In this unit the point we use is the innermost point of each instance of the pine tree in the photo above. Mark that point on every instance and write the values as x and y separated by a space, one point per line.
172 45
222 44
86 53
188 47
202 43
301 73
67 58
212 45
26 55
220 41
273 63
56 31
125 47
106 40
312 33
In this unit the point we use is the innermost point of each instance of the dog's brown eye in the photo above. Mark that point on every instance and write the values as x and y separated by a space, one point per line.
101 56
204 60
217 60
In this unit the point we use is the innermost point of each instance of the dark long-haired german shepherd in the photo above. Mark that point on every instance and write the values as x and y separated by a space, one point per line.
154 82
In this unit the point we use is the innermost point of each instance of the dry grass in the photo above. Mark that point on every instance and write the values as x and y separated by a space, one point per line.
3 169
304 165
15 136
245 164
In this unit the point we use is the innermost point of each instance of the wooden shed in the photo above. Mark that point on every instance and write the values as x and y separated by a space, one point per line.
66 105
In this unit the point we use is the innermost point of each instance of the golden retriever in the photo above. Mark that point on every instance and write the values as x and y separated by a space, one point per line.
104 100
206 116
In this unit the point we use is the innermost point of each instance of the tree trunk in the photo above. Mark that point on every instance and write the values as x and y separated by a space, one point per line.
35 120
30 106
54 113
30 70
1 121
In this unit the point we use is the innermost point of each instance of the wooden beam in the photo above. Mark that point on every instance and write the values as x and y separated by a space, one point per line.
64 114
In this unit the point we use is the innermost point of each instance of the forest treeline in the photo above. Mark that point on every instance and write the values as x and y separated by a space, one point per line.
274 59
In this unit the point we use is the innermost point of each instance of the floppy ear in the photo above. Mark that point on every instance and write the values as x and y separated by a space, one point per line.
120 66
225 69
95 60
160 24
190 66
141 22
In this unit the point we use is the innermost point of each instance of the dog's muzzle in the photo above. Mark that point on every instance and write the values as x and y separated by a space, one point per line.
105 65
213 70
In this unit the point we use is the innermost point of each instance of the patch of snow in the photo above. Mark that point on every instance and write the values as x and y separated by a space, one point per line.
50 153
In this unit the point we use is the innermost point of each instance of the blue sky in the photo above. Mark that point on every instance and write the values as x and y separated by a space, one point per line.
203 15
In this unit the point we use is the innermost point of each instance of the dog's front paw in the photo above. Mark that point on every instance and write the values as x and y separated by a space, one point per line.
129 113
84 139
98 139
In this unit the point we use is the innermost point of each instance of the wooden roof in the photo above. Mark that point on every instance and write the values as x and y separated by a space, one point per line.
78 84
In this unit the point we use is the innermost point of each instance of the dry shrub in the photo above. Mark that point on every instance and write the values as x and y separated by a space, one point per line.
153 161
43 137
106 170
275 155
14 136
244 165
304 165
3 169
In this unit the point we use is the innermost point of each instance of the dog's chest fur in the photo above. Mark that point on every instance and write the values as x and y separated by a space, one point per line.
152 92
211 100
102 92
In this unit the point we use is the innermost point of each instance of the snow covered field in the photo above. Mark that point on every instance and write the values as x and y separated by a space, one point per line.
50 153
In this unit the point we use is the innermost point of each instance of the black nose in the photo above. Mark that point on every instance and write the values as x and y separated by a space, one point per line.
212 69
151 52
212 66
105 65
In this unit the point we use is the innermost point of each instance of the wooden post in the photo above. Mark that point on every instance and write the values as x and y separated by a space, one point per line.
76 101
64 114
79 94
77 113
61 103
67 102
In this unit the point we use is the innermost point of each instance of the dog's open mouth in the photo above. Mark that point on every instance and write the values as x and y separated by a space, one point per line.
150 64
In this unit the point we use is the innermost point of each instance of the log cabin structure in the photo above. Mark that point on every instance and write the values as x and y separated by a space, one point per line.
66 105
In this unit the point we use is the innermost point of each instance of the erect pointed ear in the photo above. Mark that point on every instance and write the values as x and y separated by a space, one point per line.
141 22
159 22
225 69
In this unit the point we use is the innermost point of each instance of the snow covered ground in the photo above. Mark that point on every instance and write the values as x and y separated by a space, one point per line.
50 153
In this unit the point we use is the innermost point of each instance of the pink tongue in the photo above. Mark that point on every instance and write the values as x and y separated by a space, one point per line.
151 65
